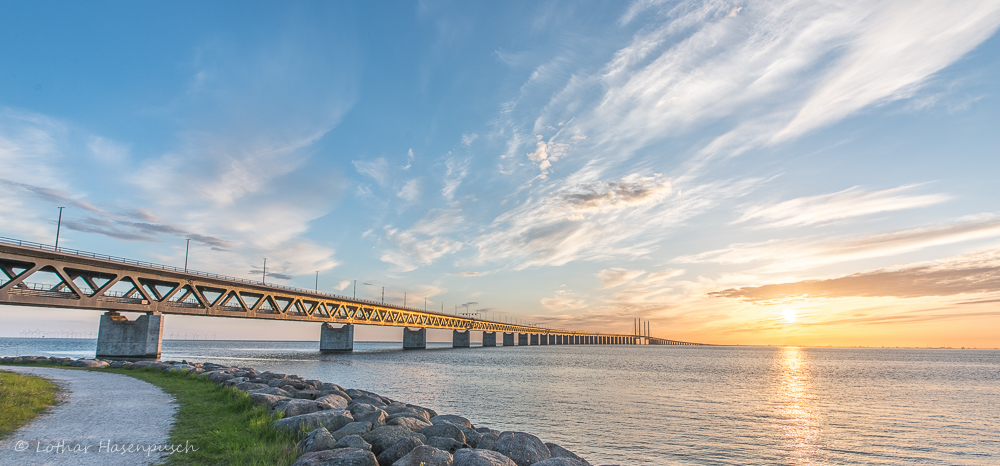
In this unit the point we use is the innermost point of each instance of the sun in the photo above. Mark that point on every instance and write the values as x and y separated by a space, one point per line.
789 315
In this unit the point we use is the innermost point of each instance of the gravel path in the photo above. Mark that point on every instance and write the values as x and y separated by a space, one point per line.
100 416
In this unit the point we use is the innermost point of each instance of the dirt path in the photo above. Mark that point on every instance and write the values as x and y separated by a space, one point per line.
102 417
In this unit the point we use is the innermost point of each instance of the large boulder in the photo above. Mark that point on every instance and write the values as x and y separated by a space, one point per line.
451 419
425 455
218 376
419 413
411 423
488 441
332 400
377 402
352 441
525 449
398 450
247 386
307 394
88 363
317 440
332 419
386 436
561 462
368 413
271 391
449 445
476 457
338 457
560 452
265 399
471 436
444 429
296 407
354 428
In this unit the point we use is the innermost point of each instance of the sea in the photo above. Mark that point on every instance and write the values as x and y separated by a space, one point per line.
665 405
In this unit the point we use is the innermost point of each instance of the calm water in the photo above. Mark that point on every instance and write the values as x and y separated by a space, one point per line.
667 405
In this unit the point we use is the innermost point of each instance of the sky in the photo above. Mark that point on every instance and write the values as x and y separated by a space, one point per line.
773 172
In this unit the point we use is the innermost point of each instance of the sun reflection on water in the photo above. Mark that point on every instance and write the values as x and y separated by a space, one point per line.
795 411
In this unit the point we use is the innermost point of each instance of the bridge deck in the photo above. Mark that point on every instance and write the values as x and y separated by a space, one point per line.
92 281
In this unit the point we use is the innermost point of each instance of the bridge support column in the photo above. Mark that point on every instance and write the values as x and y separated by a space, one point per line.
552 339
414 339
461 339
336 339
489 338
522 339
543 339
508 339
534 339
119 338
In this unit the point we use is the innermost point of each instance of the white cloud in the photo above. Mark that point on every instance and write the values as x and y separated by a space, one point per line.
456 170
809 252
410 191
616 276
468 139
825 208
378 169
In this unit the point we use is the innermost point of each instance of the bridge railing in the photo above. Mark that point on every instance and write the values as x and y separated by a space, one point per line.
122 260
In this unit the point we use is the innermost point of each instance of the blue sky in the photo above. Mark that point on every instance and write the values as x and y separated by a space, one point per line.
577 164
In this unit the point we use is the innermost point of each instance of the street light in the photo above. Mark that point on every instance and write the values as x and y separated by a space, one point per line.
187 249
58 227
263 275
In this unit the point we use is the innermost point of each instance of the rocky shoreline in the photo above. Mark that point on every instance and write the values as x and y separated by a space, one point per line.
351 427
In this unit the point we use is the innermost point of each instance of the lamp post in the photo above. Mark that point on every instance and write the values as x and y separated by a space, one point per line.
263 275
187 250
317 281
355 289
58 227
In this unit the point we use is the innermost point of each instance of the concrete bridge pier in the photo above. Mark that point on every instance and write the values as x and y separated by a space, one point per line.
414 339
543 339
534 339
552 339
460 339
508 339
489 338
522 339
119 338
336 339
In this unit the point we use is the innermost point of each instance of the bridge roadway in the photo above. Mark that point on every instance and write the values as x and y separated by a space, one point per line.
84 280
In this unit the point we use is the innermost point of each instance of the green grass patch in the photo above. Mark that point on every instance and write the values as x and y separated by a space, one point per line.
221 422
22 398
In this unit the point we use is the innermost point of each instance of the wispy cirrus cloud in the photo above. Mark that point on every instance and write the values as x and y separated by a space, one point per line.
825 208
809 252
975 273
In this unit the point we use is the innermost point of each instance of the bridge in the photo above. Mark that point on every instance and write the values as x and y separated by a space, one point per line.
84 280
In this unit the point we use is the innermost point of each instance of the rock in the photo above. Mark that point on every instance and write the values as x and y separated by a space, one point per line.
296 407
353 441
295 383
368 413
444 430
561 462
525 449
396 411
387 436
334 401
560 452
271 375
246 386
271 391
332 419
88 363
307 394
338 457
233 381
317 440
354 428
425 455
265 399
488 441
376 402
451 419
411 423
449 445
398 450
471 436
113 365
477 457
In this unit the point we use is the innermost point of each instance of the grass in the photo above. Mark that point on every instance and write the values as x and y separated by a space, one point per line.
22 398
221 422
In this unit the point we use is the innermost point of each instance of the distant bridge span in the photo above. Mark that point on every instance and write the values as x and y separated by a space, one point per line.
84 280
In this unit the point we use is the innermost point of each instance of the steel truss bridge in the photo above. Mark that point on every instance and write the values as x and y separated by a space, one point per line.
84 280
